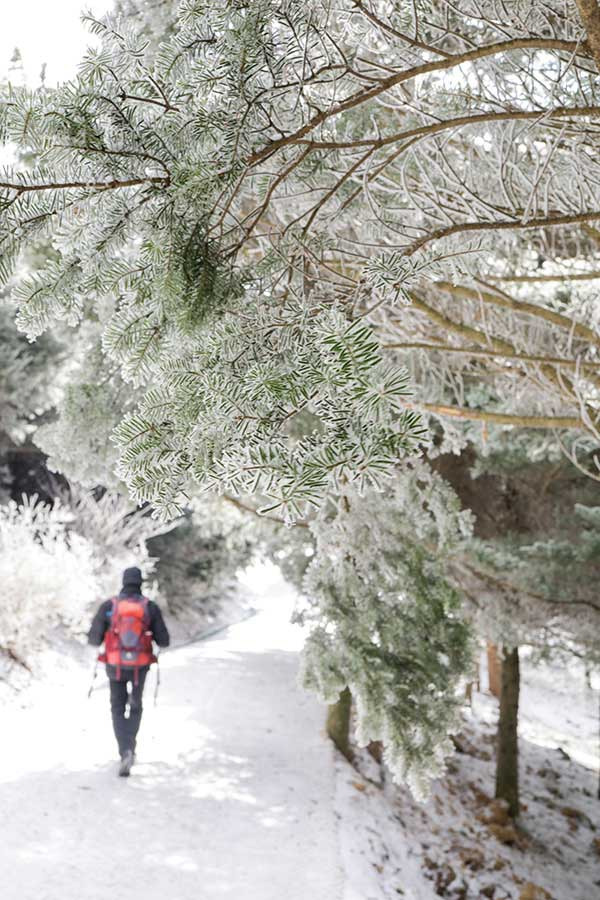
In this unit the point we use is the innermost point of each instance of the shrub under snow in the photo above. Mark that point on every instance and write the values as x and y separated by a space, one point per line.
47 574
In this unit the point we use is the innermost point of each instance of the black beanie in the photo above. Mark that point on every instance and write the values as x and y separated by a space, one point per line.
132 577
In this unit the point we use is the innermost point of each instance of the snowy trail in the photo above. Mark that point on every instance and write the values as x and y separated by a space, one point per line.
233 795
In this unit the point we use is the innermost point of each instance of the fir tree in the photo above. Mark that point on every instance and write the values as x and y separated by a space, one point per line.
301 228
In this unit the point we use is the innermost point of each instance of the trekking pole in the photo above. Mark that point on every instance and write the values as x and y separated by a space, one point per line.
157 679
89 694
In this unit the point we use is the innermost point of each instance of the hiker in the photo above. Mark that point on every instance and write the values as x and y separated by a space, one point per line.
128 623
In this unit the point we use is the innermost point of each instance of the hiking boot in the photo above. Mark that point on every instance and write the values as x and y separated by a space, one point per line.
126 763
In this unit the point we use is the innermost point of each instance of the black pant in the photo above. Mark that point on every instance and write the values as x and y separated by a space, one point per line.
122 701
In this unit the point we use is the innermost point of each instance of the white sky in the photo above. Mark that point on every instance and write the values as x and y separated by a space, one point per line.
46 31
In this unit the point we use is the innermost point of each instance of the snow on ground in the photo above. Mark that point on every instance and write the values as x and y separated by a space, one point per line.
233 795
378 859
238 793
455 845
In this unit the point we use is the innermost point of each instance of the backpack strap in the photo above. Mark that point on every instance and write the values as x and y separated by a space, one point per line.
146 624
113 618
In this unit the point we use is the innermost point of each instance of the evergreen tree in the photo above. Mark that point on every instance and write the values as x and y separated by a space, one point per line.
529 575
384 621
273 213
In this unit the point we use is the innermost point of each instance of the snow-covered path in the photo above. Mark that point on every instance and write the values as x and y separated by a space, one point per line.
233 795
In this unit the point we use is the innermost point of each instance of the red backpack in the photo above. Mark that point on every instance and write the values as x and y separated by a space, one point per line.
128 640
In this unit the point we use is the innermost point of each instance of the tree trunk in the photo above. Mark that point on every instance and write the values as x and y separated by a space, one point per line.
507 763
599 771
590 16
338 723
494 670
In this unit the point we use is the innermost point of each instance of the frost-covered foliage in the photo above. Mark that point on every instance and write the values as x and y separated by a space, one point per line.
118 532
48 573
154 19
137 163
386 623
89 406
258 185
542 589
29 375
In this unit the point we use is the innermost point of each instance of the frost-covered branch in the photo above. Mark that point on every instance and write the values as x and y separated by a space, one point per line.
237 197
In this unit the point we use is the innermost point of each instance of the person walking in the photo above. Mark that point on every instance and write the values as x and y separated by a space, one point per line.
128 624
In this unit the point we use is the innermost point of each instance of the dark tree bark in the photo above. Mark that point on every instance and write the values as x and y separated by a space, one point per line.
494 670
507 762
375 748
338 723
599 771
589 12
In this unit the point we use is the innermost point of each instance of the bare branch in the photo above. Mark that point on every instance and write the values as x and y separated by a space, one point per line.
499 298
515 224
115 184
385 84
458 328
480 415
543 116
533 279
495 354
250 509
